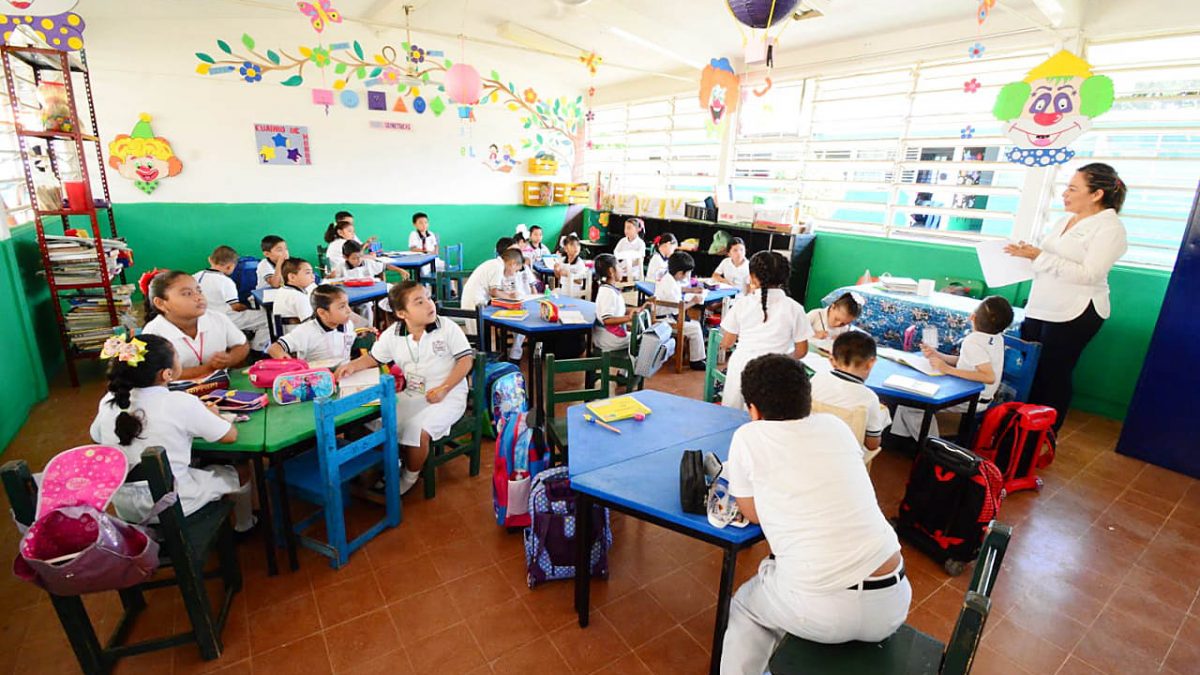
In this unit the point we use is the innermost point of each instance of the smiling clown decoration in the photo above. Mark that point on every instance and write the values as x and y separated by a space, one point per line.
52 21
1050 108
143 157
718 93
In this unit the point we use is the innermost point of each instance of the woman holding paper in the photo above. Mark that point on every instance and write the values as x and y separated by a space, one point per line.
1069 298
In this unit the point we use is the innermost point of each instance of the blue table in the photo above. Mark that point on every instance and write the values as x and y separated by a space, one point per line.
534 324
645 289
356 294
409 261
639 476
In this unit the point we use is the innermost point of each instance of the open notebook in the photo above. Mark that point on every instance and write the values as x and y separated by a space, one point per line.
913 360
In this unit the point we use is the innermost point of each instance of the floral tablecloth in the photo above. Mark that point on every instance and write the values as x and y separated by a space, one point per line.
886 315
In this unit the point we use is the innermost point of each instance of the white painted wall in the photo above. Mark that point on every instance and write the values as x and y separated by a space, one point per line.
142 60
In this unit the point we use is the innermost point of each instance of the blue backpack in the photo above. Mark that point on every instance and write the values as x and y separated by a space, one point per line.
550 538
521 454
245 275
505 392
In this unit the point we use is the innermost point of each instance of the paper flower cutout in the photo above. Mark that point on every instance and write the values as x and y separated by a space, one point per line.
531 96
971 86
975 51
250 72
967 132
320 56
591 91
132 352
591 116
416 54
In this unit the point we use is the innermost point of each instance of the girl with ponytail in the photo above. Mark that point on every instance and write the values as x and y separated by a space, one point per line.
764 321
140 412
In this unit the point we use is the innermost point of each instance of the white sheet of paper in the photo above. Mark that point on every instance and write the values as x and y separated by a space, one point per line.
913 360
1000 268
910 385
818 363
363 379
570 316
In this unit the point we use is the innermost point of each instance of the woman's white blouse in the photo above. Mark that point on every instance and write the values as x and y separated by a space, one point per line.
1072 269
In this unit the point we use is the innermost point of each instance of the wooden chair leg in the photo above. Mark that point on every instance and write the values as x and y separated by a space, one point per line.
195 601
80 633
476 451
231 571
429 472
335 526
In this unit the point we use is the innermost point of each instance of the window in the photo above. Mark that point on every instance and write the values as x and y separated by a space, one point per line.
768 152
12 172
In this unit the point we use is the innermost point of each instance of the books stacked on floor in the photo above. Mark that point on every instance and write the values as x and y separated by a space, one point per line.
88 322
73 259
898 284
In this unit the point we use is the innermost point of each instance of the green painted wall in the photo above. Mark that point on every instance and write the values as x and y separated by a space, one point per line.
1108 372
21 368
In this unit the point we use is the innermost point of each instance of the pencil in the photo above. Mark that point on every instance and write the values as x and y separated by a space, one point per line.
606 425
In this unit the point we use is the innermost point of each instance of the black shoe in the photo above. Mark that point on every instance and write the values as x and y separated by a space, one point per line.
699 365
903 444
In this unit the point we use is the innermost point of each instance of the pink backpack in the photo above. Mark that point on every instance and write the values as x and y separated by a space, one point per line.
263 373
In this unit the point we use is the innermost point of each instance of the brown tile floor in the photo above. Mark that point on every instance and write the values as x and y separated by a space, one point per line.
1102 576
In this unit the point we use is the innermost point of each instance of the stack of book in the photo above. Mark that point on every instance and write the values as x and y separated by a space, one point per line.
898 284
73 260
88 322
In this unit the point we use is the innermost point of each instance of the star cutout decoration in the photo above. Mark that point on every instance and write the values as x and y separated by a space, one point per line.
280 140
293 154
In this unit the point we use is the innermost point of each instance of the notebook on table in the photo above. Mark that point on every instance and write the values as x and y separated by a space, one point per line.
912 386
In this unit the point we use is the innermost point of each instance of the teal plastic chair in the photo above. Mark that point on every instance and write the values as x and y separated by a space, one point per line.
623 359
908 651
1020 365
466 436
320 476
452 255
712 368
323 257
448 286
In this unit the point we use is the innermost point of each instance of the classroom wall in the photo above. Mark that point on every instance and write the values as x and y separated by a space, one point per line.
1108 371
20 369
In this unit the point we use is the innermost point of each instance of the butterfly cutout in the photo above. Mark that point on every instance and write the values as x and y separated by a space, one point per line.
320 12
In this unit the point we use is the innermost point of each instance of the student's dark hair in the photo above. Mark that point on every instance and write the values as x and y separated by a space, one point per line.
502 244
777 385
342 215
737 241
419 215
324 296
848 304
853 348
269 242
157 288
1100 176
604 265
291 266
664 238
680 261
535 227
571 238
223 255
398 295
331 232
123 378
637 222
771 270
519 237
993 315
512 255
350 247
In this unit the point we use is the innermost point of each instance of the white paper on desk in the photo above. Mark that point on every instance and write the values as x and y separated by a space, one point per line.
1000 268
910 385
913 360
360 381
570 316
818 363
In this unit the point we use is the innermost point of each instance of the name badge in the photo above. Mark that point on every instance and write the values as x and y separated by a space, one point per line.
414 384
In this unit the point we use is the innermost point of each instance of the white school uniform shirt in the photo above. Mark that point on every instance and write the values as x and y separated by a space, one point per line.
265 269
428 246
522 283
818 319
219 290
1072 269
736 275
171 420
786 323
657 268
848 391
978 348
292 303
367 269
668 289
540 251
215 333
577 269
630 249
476 291
428 361
312 341
609 303
814 500
333 252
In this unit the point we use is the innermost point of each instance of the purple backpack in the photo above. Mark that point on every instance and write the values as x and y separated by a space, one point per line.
550 538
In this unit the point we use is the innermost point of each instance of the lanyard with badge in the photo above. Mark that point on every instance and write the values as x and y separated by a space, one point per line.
199 354
414 383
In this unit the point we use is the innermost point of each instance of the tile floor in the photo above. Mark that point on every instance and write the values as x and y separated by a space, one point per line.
1102 577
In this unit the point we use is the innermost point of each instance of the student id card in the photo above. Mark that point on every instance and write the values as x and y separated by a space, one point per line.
414 384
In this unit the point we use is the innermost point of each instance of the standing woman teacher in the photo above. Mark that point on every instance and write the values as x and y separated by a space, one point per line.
1069 298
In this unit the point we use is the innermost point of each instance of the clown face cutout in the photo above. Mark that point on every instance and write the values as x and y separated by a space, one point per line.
51 20
1050 108
718 93
143 157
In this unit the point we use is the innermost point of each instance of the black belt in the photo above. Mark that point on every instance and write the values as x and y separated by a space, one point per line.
876 584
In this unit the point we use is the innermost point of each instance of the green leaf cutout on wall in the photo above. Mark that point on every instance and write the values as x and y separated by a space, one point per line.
204 57
274 58
224 46
358 50
340 68
293 81
248 41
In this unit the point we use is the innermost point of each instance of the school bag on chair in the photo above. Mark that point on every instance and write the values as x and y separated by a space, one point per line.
521 454
656 346
952 495
505 392
1019 439
550 537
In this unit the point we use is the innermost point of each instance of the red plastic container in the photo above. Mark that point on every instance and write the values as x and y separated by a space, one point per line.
76 195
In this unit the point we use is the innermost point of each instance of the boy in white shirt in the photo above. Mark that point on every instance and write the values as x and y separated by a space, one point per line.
669 289
830 322
275 251
734 269
421 240
980 359
537 249
222 296
292 304
571 271
630 251
846 385
836 573
517 283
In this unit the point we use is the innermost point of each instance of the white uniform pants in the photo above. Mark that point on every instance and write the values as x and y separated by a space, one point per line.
254 320
908 420
605 341
761 615
695 340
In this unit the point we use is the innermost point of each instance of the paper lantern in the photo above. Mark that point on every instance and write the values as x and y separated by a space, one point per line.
463 84
758 13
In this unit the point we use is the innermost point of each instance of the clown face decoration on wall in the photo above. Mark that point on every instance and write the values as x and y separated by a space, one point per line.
50 20
143 157
718 93
1050 108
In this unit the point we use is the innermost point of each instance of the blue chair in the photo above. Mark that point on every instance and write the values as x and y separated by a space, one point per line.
320 476
452 255
1020 364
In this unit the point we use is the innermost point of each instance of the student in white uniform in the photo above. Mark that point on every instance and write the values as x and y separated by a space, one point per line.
336 235
764 321
435 358
836 573
140 412
222 296
571 270
517 283
846 385
355 264
630 251
421 240
484 281
830 322
669 289
328 335
292 304
538 248
734 269
204 341
980 359
275 251
665 245
611 332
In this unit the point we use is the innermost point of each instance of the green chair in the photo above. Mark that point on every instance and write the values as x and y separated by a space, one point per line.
466 436
448 286
597 371
186 543
908 651
712 366
623 359
323 258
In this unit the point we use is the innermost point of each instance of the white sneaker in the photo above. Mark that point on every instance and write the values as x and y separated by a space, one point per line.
407 480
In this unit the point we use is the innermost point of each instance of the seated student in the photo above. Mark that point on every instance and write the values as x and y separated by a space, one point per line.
140 412
610 332
664 247
484 282
421 240
669 289
537 248
830 322
735 269
275 251
355 264
836 573
338 232
845 386
222 296
571 268
521 242
630 251
327 335
292 304
517 283
204 341
980 359
764 321
436 358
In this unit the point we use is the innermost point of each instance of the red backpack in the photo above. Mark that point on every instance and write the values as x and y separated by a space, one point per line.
1019 439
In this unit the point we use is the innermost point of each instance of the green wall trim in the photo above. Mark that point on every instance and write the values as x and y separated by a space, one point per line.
1108 371
21 368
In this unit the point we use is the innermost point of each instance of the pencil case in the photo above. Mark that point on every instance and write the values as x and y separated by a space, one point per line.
236 401
306 385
